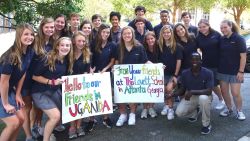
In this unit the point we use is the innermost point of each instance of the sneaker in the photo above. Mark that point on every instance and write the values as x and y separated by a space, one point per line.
220 105
152 112
195 118
165 110
80 132
59 128
90 126
144 114
37 131
72 133
240 115
52 137
107 122
131 120
170 114
206 130
121 120
226 112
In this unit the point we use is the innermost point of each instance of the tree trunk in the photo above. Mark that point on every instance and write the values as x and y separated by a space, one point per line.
175 7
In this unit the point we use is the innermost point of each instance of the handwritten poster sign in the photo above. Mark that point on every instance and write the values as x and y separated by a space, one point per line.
139 83
86 95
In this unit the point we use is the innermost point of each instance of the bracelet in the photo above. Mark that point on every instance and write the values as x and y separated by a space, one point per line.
53 82
48 82
240 71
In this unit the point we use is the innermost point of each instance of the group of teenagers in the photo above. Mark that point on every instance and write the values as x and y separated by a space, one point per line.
31 69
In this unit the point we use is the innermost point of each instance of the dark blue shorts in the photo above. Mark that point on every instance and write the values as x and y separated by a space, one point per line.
12 101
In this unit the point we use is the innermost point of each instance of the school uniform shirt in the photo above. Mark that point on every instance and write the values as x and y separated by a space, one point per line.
230 49
204 80
153 56
137 55
148 25
140 37
80 67
42 69
209 45
193 30
115 36
35 60
187 49
15 73
101 60
158 27
94 34
169 59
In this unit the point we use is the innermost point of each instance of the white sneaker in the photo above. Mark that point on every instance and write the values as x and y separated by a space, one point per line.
60 128
152 112
165 110
240 115
121 120
144 113
52 137
131 120
170 114
220 105
226 112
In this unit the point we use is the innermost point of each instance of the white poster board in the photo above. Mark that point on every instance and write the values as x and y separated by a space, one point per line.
139 83
86 95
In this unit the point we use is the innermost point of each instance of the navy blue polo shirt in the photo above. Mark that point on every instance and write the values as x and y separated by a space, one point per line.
137 55
35 60
101 60
188 48
42 69
140 37
204 80
193 30
94 34
209 45
158 27
153 56
15 73
148 25
80 67
169 59
230 49
115 36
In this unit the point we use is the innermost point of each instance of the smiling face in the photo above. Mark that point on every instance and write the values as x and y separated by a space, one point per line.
140 13
226 30
75 21
64 47
59 23
86 29
203 28
105 34
80 42
180 30
97 22
164 17
48 29
115 21
127 35
27 37
150 40
186 19
166 34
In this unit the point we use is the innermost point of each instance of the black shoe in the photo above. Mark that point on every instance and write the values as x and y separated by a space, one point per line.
107 122
206 130
90 126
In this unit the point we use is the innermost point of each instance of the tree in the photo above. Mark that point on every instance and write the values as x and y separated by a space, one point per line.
237 7
31 11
